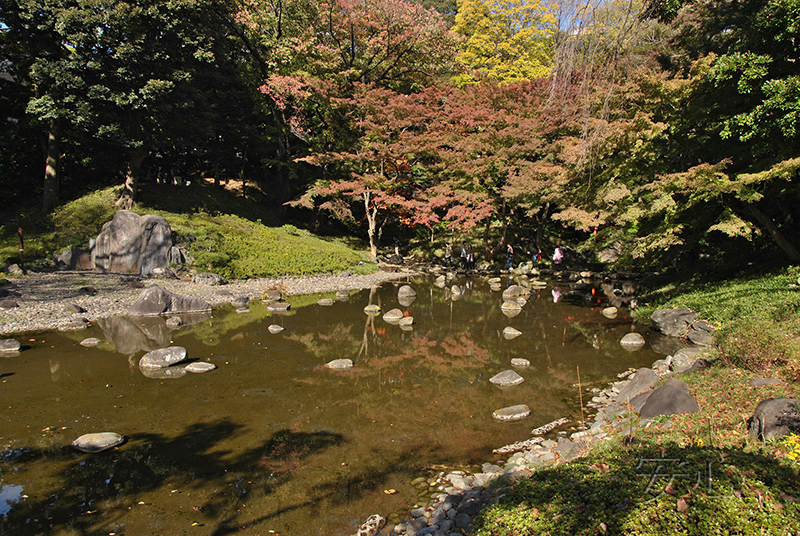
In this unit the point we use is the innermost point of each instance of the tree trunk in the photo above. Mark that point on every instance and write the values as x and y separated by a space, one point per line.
51 170
541 219
131 187
372 214
791 251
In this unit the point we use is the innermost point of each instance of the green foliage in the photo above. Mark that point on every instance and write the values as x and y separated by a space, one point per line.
753 344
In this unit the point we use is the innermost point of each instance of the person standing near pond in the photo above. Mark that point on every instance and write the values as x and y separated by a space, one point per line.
558 256
470 258
448 254
509 256
464 255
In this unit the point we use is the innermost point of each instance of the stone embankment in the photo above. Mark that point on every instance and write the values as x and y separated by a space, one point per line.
56 300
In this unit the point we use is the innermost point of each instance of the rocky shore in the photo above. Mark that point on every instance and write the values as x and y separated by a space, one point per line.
55 300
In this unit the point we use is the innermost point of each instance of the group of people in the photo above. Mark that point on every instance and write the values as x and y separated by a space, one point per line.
468 256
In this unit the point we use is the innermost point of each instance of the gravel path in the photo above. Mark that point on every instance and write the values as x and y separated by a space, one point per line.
43 298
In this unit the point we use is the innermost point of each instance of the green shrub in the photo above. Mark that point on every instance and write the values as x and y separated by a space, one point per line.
755 345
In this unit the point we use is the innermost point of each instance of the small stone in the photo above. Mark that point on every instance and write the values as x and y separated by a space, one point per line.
406 321
91 341
74 308
174 322
273 296
765 382
340 364
632 341
506 378
200 367
163 357
275 328
87 291
325 302
278 307
241 302
342 295
8 303
372 309
520 362
610 312
511 333
511 413
9 345
97 442
393 316
510 309
77 324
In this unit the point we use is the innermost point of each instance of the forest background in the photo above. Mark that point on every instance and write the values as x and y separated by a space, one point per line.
640 133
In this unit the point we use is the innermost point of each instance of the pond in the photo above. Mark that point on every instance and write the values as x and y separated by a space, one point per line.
272 441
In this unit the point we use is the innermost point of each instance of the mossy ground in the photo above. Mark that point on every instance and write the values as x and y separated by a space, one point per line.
701 474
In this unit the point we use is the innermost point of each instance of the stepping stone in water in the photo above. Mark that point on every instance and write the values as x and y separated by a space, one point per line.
97 442
511 413
506 378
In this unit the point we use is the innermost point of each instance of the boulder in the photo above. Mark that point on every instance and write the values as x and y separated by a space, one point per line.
506 378
98 442
156 300
643 380
74 308
396 259
9 345
701 333
163 357
775 417
673 322
511 308
684 358
668 400
76 258
515 291
133 243
8 303
135 334
511 413
207 278
278 307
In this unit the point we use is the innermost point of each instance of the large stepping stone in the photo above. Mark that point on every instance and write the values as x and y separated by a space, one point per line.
511 308
668 400
163 357
9 345
406 291
511 413
156 300
506 378
97 442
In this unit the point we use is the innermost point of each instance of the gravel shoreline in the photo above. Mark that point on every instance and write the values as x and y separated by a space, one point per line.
43 299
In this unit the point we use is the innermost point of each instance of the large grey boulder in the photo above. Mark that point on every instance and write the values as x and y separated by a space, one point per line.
515 291
668 400
684 358
643 380
701 333
156 300
163 357
76 258
673 322
133 243
775 417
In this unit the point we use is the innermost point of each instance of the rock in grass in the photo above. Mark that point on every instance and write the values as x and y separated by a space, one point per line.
511 413
506 378
774 418
668 400
97 442
163 357
340 364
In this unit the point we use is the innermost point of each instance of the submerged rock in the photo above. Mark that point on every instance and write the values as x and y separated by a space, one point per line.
340 364
511 333
506 378
200 367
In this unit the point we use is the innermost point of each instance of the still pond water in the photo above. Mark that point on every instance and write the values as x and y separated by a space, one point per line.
272 441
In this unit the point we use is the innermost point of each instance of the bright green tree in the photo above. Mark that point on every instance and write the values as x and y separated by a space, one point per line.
504 41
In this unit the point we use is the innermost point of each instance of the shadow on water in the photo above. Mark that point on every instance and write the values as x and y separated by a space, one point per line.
91 492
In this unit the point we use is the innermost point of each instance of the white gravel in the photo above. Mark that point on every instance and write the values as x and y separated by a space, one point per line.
42 298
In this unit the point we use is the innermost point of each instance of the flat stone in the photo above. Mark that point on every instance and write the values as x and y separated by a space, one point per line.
325 302
91 341
610 312
340 364
275 328
372 309
241 302
643 380
406 321
506 378
342 295
9 345
163 357
98 441
273 295
765 382
169 373
199 367
511 309
520 362
8 303
511 333
406 290
74 308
